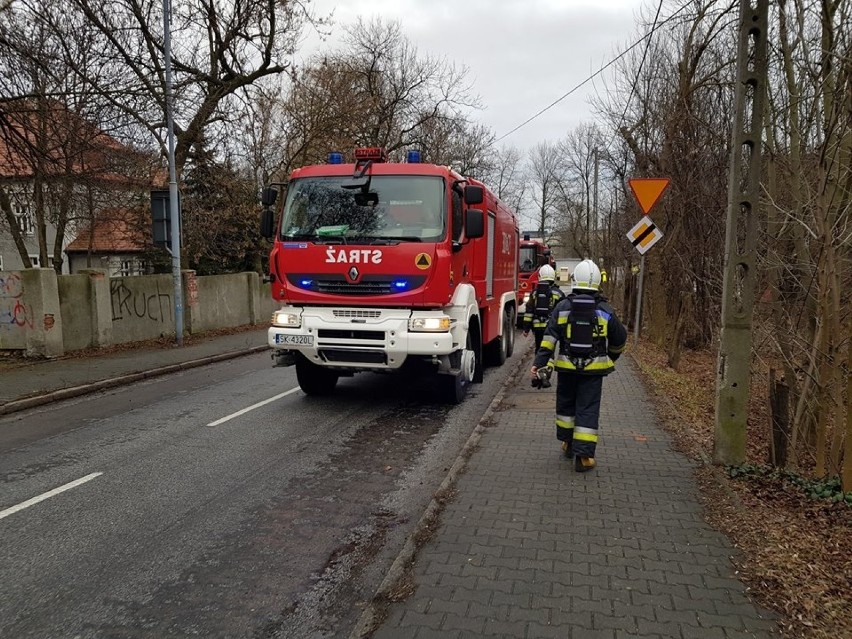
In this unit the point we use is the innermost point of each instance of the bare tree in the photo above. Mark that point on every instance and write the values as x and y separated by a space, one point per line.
545 174
218 49
508 177
62 166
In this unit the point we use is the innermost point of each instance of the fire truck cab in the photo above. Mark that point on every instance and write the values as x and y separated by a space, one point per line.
532 255
381 266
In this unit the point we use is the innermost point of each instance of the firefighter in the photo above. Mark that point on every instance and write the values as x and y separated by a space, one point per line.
590 338
545 296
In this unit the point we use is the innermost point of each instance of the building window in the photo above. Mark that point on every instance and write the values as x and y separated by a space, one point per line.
126 268
26 221
36 262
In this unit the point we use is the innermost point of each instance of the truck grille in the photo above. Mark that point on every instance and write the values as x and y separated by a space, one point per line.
333 284
357 313
350 334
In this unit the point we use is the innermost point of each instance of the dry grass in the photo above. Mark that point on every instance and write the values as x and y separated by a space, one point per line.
796 551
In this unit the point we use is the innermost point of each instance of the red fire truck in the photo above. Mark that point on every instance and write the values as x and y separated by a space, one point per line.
532 255
383 265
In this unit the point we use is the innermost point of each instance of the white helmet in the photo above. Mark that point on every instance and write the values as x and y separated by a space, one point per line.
586 275
547 273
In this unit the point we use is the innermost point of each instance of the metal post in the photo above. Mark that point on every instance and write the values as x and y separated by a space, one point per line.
174 209
637 321
595 206
732 381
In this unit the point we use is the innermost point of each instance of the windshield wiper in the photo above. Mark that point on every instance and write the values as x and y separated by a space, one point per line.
383 239
316 239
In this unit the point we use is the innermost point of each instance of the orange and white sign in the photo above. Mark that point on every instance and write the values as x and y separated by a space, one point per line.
648 191
644 234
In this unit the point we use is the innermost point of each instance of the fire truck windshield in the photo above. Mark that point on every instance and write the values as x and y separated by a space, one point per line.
396 208
527 261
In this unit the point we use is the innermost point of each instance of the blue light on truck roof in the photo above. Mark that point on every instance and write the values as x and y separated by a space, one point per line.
400 284
413 156
335 157
306 283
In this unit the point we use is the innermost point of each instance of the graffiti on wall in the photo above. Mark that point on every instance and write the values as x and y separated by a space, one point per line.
131 303
15 313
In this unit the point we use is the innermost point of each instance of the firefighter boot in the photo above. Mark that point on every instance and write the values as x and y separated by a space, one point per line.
566 450
584 464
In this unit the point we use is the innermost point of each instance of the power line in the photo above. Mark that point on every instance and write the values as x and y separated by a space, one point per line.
599 71
639 70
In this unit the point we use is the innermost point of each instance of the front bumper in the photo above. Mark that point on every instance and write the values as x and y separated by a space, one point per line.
360 338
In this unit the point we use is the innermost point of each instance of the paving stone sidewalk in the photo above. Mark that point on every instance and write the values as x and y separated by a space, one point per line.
528 548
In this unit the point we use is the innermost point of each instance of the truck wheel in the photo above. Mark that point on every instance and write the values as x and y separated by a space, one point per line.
474 343
499 349
509 331
313 379
452 388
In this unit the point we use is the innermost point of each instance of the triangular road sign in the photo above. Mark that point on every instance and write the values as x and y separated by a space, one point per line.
648 191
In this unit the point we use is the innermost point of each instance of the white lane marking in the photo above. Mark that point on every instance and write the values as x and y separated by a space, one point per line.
253 406
48 494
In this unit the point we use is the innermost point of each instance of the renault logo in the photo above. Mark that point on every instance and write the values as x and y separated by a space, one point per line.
353 273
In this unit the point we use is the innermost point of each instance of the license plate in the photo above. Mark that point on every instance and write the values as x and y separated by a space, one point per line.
298 340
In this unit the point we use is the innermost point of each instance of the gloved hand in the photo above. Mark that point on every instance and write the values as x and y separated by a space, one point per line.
541 377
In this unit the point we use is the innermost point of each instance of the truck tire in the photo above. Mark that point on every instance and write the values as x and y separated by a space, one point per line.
453 388
500 349
474 343
313 379
509 331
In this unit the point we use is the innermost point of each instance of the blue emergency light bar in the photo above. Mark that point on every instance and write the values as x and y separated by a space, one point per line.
413 156
335 157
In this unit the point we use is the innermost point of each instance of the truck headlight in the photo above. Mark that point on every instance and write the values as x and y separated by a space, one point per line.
287 319
429 324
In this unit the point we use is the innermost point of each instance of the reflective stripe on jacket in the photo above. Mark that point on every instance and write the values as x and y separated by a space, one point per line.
610 332
530 319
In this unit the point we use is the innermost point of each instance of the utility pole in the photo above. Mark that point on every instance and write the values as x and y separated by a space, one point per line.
595 208
174 208
732 381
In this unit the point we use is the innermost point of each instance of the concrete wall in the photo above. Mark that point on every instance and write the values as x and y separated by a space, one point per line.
75 293
142 307
227 301
46 315
16 314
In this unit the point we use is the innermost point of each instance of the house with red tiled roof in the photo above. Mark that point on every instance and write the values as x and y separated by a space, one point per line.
118 242
61 175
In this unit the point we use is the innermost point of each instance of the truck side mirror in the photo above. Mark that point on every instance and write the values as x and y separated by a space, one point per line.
268 196
473 195
267 223
474 223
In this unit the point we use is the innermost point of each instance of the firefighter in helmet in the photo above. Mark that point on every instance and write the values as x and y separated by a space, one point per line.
590 338
541 302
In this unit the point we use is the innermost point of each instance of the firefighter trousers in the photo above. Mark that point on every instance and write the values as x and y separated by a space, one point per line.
538 334
578 408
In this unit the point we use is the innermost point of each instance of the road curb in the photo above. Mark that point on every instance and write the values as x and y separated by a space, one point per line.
93 387
371 617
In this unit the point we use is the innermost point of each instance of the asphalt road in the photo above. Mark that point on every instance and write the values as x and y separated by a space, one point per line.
217 502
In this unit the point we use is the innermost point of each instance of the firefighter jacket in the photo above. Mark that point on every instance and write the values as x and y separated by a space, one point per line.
610 337
538 320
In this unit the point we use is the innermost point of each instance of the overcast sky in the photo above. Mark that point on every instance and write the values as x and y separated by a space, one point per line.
521 54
